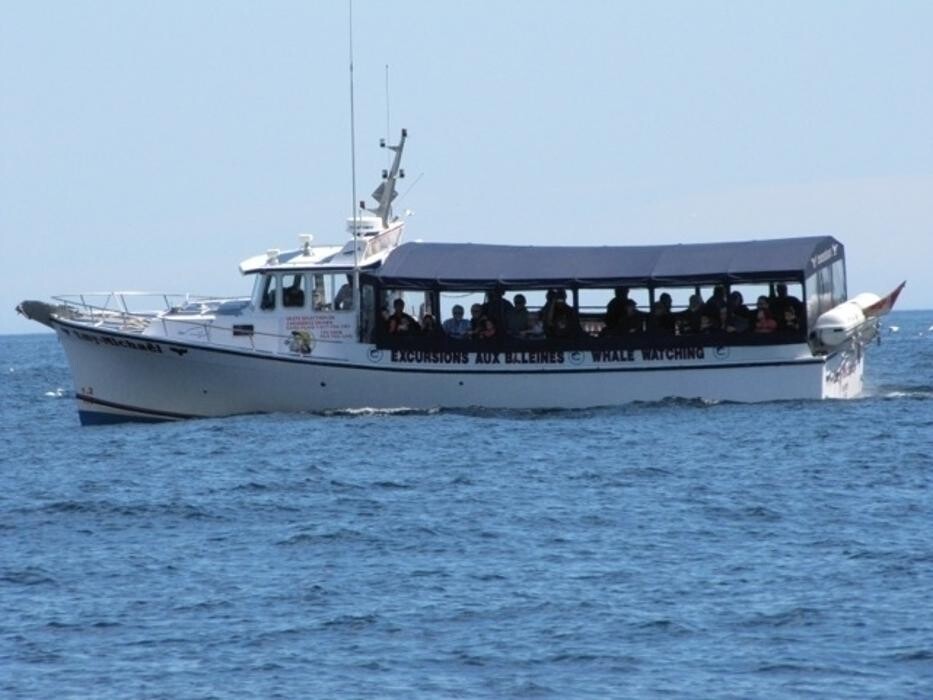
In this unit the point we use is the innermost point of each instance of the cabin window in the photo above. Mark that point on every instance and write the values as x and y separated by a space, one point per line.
293 291
812 296
839 282
679 296
825 282
332 292
269 293
367 313
597 307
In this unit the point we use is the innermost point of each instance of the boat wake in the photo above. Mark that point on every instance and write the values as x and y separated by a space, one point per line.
583 413
920 392
366 412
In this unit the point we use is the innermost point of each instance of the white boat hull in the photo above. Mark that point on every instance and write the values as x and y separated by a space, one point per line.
123 376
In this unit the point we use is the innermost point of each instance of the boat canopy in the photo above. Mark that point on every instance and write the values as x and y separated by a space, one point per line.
475 266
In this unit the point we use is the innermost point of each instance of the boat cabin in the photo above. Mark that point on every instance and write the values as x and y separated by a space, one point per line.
761 292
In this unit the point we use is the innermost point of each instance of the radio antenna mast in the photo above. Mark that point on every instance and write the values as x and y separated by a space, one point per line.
388 127
355 213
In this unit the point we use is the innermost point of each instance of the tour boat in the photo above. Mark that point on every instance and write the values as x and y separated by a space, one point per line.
319 332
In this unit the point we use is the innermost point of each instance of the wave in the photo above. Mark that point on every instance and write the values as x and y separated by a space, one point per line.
368 411
138 510
900 391
30 576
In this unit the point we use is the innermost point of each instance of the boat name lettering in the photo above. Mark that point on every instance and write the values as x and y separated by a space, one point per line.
648 354
672 354
481 358
119 342
432 357
534 358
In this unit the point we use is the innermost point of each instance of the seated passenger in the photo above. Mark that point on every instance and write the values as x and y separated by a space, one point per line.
476 315
661 320
790 322
563 322
615 310
548 308
762 304
401 323
764 323
632 320
519 322
688 320
738 316
457 327
429 325
487 329
781 302
716 305
497 308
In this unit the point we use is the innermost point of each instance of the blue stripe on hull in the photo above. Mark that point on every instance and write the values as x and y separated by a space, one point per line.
102 418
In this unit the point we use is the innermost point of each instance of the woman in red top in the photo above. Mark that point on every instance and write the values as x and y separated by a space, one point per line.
764 323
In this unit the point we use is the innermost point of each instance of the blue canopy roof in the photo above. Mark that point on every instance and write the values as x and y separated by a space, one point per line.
474 266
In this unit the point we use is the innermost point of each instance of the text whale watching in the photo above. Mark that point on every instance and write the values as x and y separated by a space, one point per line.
377 323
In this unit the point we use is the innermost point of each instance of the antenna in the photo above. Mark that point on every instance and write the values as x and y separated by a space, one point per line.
385 193
388 128
356 220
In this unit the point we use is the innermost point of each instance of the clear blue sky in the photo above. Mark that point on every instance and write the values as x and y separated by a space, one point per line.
155 145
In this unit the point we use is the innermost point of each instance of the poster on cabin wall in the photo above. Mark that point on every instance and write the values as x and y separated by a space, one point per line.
332 327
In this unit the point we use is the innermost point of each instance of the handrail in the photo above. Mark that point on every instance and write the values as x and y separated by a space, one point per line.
137 321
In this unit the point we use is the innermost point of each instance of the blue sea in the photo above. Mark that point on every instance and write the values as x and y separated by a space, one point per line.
669 550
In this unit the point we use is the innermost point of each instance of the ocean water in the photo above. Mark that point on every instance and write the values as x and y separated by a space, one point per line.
677 550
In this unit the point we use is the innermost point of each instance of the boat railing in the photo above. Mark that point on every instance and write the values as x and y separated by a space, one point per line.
128 310
134 312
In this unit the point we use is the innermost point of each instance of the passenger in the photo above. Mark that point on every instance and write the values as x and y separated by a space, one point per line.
791 322
632 321
293 295
738 316
401 323
537 328
707 325
344 299
716 306
667 301
688 320
764 322
564 322
487 329
547 311
615 310
476 315
661 320
497 308
429 325
457 327
762 303
519 322
781 302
